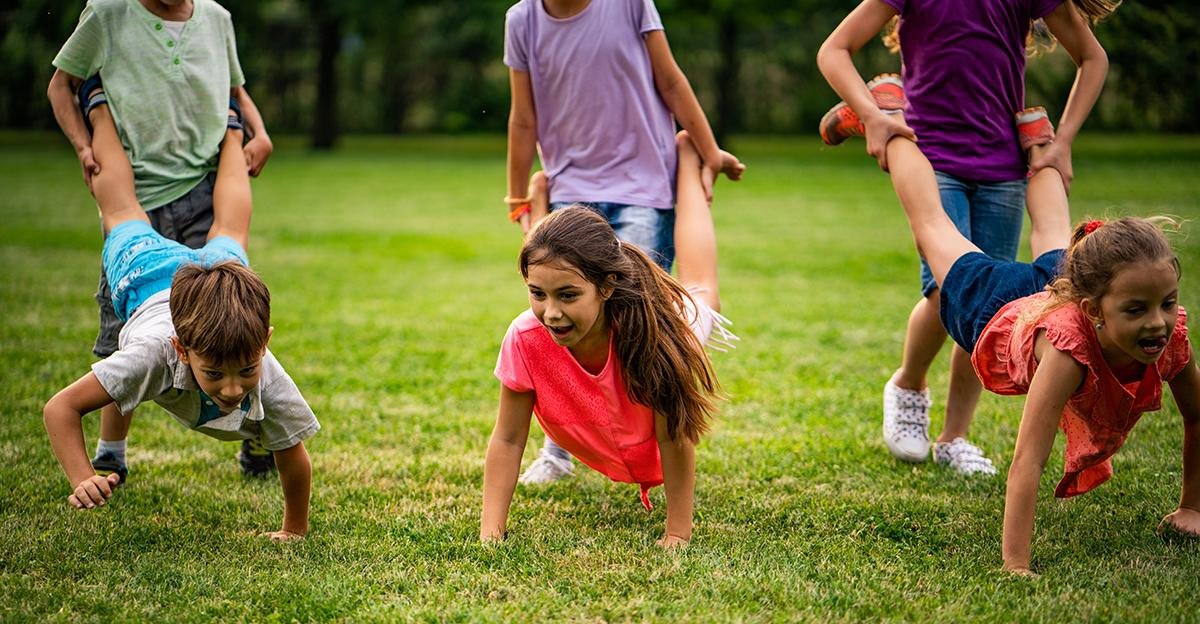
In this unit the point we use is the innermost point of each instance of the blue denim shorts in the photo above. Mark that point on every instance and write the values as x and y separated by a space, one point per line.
141 263
988 214
651 229
977 286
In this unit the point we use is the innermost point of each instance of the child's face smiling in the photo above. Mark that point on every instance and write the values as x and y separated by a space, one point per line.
569 306
1139 313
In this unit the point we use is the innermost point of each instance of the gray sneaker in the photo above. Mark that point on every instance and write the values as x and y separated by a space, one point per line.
962 456
906 422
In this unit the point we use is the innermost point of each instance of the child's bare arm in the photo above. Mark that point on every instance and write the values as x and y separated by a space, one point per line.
1072 31
675 90
522 136
679 481
835 62
503 461
62 416
1186 388
1056 378
66 112
295 477
259 148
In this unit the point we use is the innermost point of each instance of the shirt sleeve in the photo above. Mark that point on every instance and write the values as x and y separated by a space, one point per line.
139 372
86 49
898 5
287 418
511 367
646 16
1179 347
236 78
516 39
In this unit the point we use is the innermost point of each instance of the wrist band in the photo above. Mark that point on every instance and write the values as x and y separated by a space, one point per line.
518 211
517 200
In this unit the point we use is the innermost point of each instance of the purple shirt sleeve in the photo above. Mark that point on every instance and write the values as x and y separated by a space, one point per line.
898 5
516 47
646 16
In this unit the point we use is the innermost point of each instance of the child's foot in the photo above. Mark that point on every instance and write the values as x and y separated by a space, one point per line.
1034 128
841 122
906 422
963 457
255 459
106 463
731 166
547 469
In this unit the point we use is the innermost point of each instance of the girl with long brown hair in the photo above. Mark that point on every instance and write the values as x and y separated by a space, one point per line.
610 356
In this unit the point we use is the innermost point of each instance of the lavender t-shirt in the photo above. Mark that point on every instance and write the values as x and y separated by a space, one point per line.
964 75
605 134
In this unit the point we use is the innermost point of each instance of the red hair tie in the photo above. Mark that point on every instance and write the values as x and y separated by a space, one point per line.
1092 226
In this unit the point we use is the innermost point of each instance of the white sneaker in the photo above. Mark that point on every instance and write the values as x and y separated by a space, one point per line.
963 456
906 422
547 469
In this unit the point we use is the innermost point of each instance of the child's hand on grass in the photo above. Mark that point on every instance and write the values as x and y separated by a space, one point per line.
1183 521
1022 571
283 536
672 542
93 491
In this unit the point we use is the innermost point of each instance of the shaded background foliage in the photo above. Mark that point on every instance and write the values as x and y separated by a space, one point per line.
324 67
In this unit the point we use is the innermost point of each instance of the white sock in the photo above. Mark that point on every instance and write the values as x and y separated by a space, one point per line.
116 447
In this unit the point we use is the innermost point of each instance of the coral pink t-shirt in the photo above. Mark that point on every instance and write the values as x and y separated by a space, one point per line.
591 416
1100 415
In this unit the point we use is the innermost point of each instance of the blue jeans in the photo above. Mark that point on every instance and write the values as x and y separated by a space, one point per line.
989 214
651 229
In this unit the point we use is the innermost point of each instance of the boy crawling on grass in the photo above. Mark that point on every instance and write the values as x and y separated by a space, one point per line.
196 332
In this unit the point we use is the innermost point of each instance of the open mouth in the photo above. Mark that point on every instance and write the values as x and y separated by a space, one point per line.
560 331
1152 346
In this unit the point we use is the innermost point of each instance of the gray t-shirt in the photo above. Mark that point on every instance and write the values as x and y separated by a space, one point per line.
146 368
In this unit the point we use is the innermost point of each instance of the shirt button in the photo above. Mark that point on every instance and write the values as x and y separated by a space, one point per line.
170 43
208 402
158 26
177 60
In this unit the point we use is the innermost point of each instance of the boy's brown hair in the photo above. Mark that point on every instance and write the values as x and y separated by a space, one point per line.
222 312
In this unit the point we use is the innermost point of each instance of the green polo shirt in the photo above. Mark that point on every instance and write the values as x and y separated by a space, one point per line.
169 96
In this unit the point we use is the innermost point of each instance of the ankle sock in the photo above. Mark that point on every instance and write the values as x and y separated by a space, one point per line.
114 447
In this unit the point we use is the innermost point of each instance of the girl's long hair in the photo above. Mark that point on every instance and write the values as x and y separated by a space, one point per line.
664 366
1039 40
1101 249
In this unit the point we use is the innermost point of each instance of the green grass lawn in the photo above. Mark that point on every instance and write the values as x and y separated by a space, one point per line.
393 274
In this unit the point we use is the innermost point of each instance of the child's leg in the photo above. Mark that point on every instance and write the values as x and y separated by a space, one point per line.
539 197
938 241
1049 210
695 239
231 193
113 186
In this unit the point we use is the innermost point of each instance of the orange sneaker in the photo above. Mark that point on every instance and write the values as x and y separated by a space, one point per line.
841 122
1034 128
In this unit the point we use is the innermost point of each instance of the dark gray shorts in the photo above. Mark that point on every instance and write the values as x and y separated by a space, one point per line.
186 220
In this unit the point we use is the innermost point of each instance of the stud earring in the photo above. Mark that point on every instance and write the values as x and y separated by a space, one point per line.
1100 326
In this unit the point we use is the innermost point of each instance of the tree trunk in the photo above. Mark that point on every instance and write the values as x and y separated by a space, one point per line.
728 118
329 39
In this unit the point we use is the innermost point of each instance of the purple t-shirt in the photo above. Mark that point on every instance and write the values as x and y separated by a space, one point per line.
605 134
964 76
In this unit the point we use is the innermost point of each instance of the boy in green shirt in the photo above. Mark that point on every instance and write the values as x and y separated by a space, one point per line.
170 69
